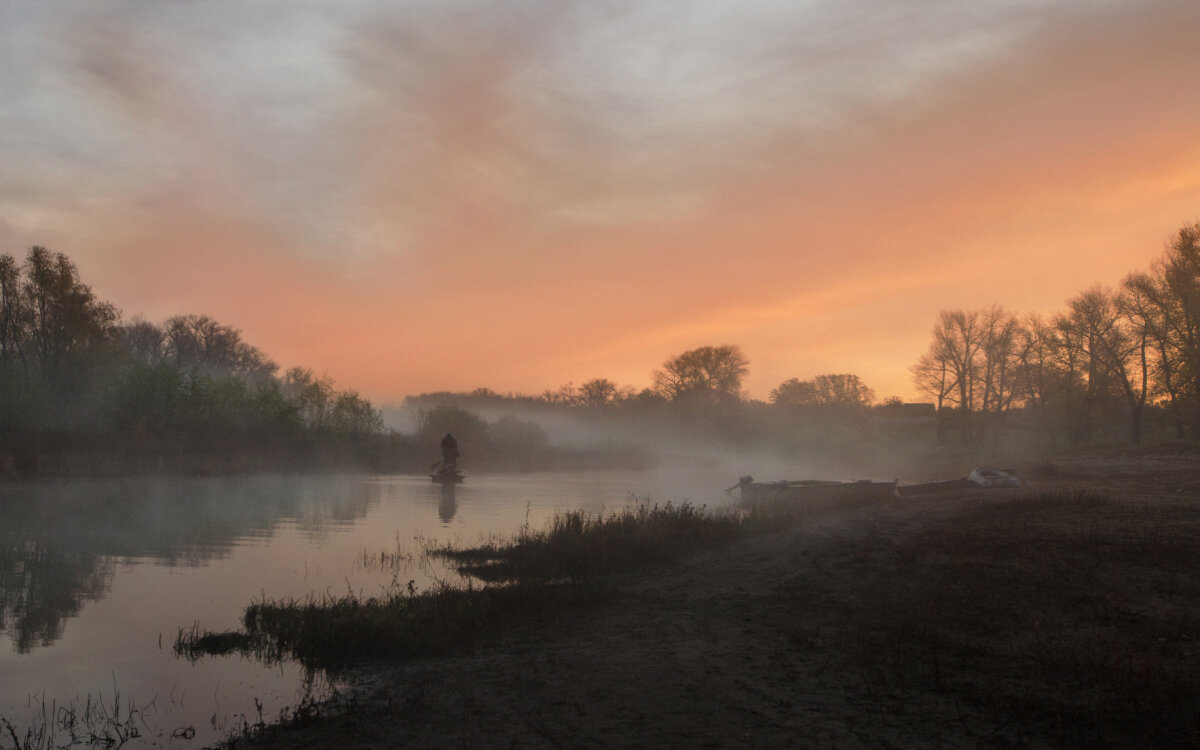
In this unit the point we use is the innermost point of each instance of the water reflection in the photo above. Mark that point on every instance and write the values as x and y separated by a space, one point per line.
449 504
97 577
59 541
42 584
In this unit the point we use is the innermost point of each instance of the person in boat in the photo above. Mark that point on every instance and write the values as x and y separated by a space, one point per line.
449 453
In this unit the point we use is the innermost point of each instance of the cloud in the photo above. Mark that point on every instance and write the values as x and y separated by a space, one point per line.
516 195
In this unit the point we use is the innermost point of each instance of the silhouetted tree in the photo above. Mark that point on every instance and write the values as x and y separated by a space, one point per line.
795 392
1130 353
1146 293
841 391
971 364
468 428
565 395
67 326
1041 380
313 396
598 392
14 316
1171 292
201 343
144 341
706 374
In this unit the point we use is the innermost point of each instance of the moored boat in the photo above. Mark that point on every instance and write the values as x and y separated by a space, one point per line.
810 490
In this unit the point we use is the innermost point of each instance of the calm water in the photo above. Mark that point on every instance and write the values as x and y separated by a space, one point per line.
97 577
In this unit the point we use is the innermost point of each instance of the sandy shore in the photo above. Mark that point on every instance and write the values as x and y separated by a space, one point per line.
750 645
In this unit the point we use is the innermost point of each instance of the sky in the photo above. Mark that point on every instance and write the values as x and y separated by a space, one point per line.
445 195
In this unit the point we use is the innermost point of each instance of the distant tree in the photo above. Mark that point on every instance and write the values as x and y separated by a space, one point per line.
598 392
565 395
354 415
1131 352
840 391
646 400
144 341
1041 380
517 442
971 364
467 427
201 343
314 397
1171 292
706 374
1146 293
935 377
795 392
1090 329
68 327
14 315
844 390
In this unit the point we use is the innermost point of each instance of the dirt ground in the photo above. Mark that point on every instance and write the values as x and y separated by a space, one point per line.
760 643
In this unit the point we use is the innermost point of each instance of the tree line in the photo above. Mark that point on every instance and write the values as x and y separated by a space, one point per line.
704 380
78 383
77 379
1112 359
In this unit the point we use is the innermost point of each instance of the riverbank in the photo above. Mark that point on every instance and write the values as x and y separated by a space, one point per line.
1063 614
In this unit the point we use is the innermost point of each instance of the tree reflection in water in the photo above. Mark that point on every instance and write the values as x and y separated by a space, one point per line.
61 541
42 585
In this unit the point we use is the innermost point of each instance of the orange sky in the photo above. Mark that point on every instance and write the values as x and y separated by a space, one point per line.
452 195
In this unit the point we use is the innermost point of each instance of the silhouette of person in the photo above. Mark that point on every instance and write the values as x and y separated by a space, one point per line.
449 452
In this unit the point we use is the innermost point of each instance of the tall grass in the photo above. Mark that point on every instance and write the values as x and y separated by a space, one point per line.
99 722
577 545
535 574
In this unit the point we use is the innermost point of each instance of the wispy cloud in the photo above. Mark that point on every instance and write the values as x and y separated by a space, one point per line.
523 192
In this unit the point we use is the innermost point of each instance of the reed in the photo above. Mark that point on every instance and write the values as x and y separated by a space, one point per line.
534 575
577 545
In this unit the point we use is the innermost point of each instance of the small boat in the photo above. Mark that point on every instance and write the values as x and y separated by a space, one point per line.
448 476
809 490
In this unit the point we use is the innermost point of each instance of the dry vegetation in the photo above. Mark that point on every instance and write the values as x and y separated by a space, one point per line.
1062 615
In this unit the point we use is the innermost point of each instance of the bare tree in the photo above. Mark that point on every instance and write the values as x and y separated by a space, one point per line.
145 341
971 365
1166 363
1131 352
201 343
1172 295
1040 380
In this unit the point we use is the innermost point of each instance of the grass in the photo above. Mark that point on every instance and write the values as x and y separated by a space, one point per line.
577 546
1067 619
98 723
535 575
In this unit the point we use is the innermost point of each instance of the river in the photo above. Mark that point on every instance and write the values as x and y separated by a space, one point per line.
97 577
